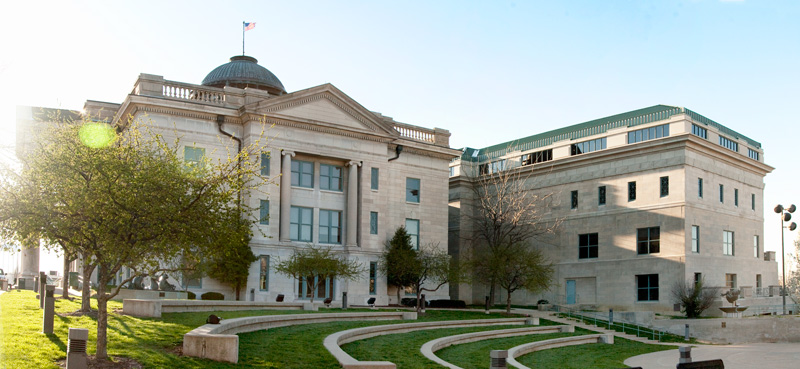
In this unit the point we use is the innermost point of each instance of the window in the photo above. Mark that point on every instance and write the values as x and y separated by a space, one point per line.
536 157
727 243
651 133
192 282
265 156
325 287
728 143
758 280
721 193
330 226
302 174
452 172
263 275
698 277
699 131
695 238
497 166
631 191
412 190
587 246
373 179
730 281
753 201
736 197
752 154
373 277
700 188
373 222
755 245
647 240
574 200
300 223
330 177
647 287
588 146
263 217
601 195
664 186
193 156
412 228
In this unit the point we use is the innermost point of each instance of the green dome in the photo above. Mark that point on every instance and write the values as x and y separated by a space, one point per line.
243 71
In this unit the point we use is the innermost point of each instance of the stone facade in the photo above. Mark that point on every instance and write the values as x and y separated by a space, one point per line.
664 173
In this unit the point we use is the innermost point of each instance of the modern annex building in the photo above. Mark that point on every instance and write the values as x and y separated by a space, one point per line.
348 177
645 198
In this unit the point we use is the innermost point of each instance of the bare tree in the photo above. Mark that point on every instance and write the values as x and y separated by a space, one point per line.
693 297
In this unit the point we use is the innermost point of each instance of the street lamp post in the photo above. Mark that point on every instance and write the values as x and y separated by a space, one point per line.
785 217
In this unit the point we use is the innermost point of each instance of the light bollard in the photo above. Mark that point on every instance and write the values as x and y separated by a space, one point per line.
499 358
49 308
76 349
685 354
686 334
344 300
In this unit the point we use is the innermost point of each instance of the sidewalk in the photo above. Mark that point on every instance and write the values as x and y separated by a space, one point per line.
756 355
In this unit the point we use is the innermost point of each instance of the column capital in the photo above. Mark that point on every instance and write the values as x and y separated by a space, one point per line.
287 152
356 163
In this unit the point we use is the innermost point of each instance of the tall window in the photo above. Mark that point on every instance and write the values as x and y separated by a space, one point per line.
265 156
330 177
651 133
736 197
574 200
330 226
728 143
700 188
264 212
699 131
698 277
727 243
752 154
587 246
302 174
325 288
758 280
373 222
193 156
601 195
412 228
631 191
373 179
721 193
753 201
412 190
730 281
588 146
755 245
648 240
664 182
647 287
695 238
373 277
300 223
263 275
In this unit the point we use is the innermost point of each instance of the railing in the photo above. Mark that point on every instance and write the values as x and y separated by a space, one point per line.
772 309
762 292
415 133
601 320
177 90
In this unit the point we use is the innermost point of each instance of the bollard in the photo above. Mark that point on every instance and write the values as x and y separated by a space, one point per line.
344 300
422 303
685 354
498 359
252 294
49 308
35 284
76 349
610 318
42 283
686 334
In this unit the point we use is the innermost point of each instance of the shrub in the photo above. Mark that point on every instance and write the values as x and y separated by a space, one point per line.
542 302
191 295
212 296
412 302
453 304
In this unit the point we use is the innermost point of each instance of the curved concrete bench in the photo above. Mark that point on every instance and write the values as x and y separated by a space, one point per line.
527 348
334 341
429 348
154 308
219 341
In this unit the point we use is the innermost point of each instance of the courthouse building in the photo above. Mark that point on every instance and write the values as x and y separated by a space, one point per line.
644 199
348 177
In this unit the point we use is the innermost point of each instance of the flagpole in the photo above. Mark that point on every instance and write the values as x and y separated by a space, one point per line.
242 38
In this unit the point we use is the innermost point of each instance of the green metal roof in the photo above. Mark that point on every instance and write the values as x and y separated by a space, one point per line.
629 119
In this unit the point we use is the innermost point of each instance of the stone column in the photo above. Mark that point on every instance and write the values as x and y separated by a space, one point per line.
352 204
30 261
286 194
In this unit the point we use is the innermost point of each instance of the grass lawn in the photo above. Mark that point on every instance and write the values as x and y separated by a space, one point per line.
596 355
153 341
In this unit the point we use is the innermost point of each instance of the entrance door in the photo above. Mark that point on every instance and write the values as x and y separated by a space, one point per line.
570 291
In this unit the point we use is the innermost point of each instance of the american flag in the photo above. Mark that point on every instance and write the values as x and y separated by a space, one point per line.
249 26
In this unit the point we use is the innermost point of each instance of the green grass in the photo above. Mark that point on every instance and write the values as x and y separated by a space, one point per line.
632 329
595 355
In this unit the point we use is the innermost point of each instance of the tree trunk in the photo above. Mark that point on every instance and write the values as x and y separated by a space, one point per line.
508 301
238 289
398 295
102 322
86 292
491 292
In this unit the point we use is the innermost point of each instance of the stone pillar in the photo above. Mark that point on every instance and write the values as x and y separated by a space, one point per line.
30 262
49 308
352 205
286 194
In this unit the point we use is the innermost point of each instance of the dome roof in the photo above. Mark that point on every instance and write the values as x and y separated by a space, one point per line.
243 71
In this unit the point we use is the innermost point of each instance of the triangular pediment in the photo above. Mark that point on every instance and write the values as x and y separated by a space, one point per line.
325 105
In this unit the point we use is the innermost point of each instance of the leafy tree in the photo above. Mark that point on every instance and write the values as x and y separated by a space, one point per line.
122 196
693 297
432 269
320 262
231 263
398 261
520 267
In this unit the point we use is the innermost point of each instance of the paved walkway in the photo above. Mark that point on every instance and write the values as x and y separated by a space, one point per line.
755 355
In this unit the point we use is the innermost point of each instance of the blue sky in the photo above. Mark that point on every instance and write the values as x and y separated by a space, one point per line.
487 71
